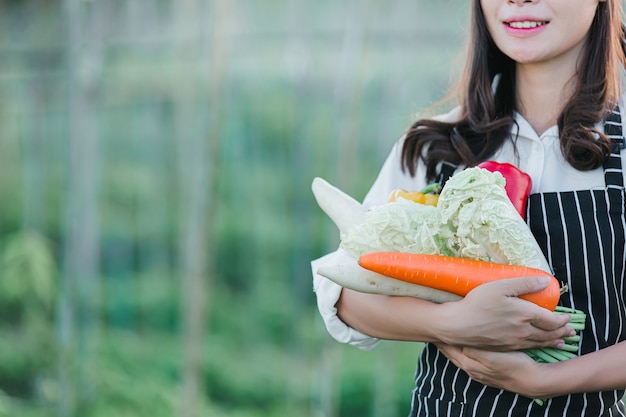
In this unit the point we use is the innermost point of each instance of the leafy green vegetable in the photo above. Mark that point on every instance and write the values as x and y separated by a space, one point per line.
402 226
473 219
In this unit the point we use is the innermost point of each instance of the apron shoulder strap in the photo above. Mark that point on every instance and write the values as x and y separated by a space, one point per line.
613 129
446 170
613 174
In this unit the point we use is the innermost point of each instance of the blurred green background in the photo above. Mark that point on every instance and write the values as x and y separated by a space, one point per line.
156 218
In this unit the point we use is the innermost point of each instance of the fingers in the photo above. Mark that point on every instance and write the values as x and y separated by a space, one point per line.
548 328
540 317
514 287
549 321
453 353
493 317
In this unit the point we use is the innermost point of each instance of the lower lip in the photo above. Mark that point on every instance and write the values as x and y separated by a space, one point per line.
525 31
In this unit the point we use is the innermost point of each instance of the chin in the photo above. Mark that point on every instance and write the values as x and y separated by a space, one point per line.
527 57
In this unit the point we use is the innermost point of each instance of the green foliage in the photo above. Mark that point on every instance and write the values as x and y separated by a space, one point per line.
28 271
136 375
319 97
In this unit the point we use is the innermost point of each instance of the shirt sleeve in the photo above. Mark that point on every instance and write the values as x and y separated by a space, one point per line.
327 292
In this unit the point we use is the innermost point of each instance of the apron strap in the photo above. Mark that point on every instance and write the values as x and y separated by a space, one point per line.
613 175
445 172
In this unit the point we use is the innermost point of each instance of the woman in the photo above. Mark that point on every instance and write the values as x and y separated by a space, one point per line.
542 90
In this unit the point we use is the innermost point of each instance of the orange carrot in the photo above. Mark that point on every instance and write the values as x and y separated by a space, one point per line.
456 275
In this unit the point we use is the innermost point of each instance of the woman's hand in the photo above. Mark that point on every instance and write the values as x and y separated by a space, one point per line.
492 317
512 371
602 370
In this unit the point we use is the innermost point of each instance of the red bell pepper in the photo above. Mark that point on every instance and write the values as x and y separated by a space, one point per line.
518 183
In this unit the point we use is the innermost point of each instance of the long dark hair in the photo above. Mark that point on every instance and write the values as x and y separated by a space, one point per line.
486 115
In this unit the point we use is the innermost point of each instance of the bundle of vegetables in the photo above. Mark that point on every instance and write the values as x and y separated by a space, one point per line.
474 234
474 218
460 275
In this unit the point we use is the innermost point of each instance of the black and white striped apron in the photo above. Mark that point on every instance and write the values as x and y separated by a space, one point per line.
582 234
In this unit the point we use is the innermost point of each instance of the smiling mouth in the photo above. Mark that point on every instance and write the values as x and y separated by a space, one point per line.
526 24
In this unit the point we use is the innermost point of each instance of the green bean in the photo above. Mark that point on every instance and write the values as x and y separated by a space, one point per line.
561 355
578 317
572 339
539 352
562 309
576 325
569 348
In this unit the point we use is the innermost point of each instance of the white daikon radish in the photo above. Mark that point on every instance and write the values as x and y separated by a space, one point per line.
342 209
360 279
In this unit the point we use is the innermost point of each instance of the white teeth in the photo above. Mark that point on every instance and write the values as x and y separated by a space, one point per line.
526 24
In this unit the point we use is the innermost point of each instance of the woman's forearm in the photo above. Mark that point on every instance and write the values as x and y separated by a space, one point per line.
489 317
603 370
391 318
598 371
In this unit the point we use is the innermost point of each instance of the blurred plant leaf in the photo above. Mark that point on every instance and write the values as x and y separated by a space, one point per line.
28 269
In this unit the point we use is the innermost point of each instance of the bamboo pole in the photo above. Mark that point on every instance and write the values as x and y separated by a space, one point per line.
192 206
85 36
197 142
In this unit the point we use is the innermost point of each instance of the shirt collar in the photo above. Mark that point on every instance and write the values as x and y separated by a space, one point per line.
523 129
